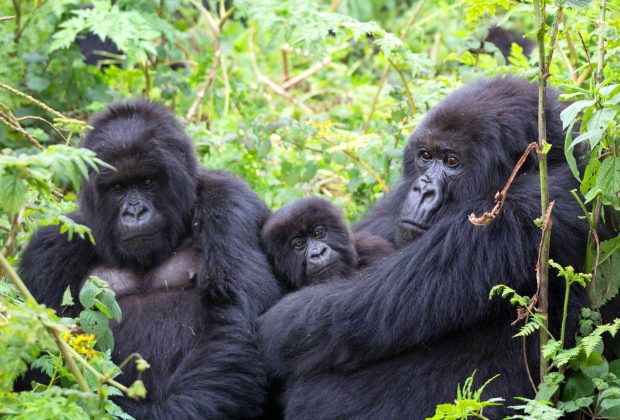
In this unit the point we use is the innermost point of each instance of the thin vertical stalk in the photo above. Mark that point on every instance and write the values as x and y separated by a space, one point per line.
543 255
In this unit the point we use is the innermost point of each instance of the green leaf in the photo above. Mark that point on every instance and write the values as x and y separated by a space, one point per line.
94 322
578 385
108 298
571 112
577 4
67 299
88 294
13 191
608 181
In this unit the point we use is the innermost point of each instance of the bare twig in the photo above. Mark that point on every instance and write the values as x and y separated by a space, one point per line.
33 100
269 83
15 223
15 126
3 18
305 74
585 50
285 48
213 25
209 80
571 70
500 197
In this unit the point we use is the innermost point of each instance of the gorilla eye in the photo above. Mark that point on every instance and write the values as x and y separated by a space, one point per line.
452 161
426 155
298 243
118 187
319 232
146 182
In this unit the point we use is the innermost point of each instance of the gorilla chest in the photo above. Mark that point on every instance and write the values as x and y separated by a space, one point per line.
163 313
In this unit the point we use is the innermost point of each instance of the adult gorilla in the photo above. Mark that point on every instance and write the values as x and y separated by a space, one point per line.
398 340
180 247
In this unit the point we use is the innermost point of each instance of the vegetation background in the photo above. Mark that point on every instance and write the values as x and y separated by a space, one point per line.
298 98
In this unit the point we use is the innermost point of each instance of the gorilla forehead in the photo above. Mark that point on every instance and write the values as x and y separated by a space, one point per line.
301 216
140 130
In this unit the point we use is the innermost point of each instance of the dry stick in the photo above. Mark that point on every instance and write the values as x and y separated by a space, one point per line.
210 20
33 100
21 131
305 74
271 85
203 89
17 220
554 37
43 120
285 48
585 50
571 47
62 344
500 197
571 70
361 161
3 18
386 72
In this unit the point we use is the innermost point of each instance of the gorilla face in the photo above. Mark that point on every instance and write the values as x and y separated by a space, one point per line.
308 243
140 211
439 166
462 150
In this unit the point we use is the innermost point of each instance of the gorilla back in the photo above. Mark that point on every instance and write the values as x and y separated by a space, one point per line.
179 245
399 340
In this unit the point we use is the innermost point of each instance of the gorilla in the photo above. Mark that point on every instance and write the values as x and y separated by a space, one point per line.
308 242
179 245
399 339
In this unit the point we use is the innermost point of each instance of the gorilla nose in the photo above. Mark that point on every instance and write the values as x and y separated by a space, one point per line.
318 252
134 214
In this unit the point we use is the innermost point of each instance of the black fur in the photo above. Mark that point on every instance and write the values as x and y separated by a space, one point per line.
299 220
397 339
200 342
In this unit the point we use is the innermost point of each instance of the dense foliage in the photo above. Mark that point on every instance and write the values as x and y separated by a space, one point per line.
299 98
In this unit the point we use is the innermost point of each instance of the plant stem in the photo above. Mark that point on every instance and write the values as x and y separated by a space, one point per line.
601 45
564 313
386 72
406 87
62 345
543 256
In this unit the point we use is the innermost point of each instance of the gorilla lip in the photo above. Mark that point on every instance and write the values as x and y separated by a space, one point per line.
412 228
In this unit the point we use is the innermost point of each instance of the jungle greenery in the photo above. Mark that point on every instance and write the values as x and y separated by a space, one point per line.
298 98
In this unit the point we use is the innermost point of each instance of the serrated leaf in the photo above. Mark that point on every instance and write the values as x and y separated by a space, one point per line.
88 294
94 322
108 298
13 192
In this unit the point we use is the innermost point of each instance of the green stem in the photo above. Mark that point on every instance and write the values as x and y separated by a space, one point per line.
543 267
601 45
406 87
564 313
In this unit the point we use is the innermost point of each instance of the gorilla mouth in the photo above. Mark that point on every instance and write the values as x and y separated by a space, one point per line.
410 229
138 236
323 269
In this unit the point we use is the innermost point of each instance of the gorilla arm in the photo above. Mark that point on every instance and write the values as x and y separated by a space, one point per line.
430 288
228 219
51 263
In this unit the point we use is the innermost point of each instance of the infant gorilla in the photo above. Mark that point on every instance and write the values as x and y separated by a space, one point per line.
308 242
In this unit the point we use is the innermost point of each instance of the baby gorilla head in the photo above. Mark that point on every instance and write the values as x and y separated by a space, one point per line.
308 243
